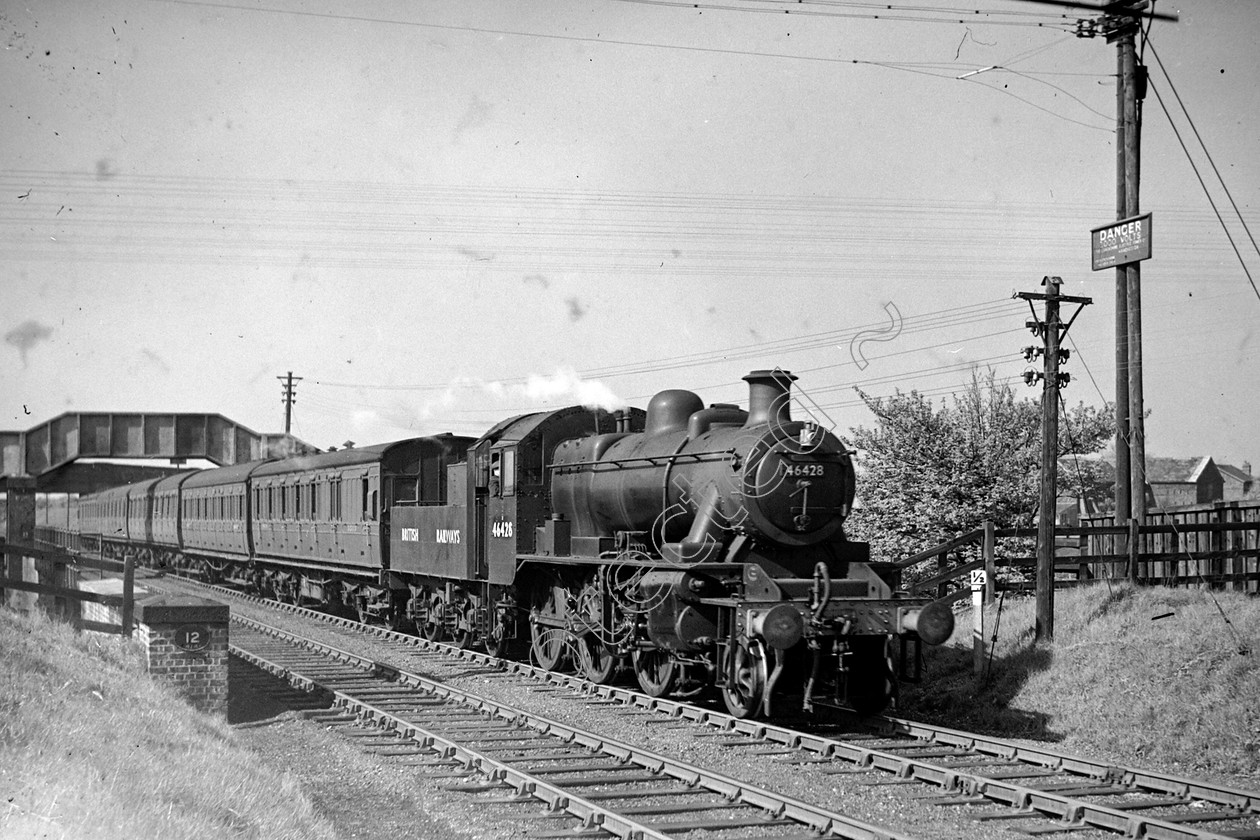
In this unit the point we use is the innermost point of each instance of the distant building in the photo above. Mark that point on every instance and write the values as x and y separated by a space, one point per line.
1177 482
284 445
1237 482
1069 510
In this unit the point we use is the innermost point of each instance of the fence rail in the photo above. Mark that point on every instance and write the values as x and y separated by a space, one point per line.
62 566
1215 546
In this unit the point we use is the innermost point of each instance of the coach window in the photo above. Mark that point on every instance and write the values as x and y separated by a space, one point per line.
369 500
298 509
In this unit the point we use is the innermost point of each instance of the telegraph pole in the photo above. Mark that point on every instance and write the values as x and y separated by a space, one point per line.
289 392
1051 330
1122 304
1120 23
1133 82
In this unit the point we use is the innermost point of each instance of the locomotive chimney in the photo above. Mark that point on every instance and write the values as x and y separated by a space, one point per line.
769 393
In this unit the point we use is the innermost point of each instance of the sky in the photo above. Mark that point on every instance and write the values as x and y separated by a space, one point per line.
441 214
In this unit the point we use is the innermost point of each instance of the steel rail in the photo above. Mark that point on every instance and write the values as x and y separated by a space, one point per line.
776 805
554 797
1052 759
1072 812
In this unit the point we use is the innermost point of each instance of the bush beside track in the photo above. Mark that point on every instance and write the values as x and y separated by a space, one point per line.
1153 677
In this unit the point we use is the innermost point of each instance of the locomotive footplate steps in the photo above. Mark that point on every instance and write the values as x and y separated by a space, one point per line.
583 760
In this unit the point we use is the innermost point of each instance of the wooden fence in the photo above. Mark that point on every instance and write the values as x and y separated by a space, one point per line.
55 568
1216 546
1213 546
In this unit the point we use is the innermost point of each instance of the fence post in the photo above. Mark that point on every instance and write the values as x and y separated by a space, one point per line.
19 493
129 589
1134 550
977 626
990 562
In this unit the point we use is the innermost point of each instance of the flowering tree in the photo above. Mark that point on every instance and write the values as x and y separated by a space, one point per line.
928 473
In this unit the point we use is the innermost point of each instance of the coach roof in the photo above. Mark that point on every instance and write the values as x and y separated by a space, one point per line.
235 474
342 458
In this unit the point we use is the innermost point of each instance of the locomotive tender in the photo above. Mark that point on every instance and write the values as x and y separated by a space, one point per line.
701 546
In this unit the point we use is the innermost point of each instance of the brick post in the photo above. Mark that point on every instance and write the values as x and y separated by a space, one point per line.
186 643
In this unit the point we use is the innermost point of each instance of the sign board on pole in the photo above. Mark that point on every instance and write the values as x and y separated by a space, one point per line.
1120 243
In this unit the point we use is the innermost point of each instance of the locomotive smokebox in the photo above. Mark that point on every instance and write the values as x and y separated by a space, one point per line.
769 397
698 477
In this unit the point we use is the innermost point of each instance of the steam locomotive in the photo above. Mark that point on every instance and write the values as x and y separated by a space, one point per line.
700 547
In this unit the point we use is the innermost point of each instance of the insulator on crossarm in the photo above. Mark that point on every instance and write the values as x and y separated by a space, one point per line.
1031 377
1064 354
1064 379
1031 353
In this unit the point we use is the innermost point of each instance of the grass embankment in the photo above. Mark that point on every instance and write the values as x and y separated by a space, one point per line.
91 748
1152 677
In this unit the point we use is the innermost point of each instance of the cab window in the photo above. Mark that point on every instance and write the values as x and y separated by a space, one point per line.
509 472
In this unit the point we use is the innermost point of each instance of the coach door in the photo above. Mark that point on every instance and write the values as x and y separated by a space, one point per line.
370 486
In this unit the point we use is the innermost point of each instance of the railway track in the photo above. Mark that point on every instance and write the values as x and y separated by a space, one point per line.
1027 788
596 785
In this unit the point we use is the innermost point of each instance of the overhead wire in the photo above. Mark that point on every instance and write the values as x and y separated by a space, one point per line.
798 10
1077 350
952 317
1228 235
1220 179
482 30
860 4
388 226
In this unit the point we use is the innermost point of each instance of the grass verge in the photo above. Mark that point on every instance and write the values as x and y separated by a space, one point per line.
1152 677
91 748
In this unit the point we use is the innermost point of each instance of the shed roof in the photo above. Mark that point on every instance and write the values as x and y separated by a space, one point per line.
1175 470
1235 473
